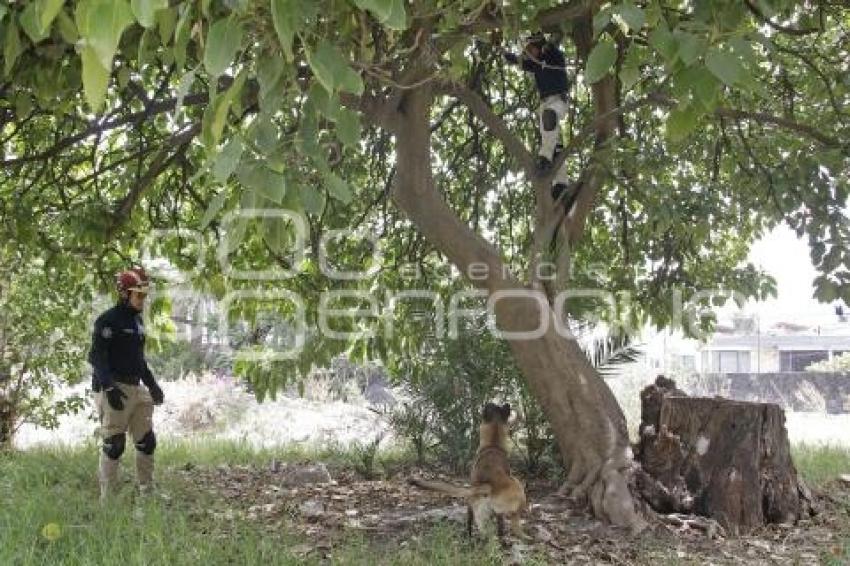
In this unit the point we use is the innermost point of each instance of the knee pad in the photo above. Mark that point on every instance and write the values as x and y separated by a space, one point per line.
550 120
113 446
147 444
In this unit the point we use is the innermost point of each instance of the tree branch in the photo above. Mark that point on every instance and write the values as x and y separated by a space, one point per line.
765 118
415 193
778 27
788 124
161 161
494 123
96 128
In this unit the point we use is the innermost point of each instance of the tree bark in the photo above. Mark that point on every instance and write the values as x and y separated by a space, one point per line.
728 460
7 425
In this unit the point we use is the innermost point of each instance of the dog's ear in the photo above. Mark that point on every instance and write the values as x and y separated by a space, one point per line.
490 410
506 411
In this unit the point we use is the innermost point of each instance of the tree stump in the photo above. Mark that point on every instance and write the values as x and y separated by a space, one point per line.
728 460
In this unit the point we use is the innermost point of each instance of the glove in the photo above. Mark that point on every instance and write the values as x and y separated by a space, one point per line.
114 397
156 394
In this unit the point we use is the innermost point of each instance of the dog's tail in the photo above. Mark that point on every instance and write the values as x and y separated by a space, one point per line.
449 489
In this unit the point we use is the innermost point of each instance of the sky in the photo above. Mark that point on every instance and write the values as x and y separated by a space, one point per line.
786 257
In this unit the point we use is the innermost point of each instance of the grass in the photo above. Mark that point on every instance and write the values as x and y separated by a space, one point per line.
57 487
821 464
50 515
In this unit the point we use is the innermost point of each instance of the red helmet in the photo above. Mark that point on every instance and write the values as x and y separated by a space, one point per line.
134 279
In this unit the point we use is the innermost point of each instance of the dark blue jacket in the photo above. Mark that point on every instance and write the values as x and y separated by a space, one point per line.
550 74
118 349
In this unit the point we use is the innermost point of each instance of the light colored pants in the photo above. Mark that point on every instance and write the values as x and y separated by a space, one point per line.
551 138
137 418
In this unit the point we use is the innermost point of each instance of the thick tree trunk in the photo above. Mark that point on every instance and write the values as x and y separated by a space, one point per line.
728 460
587 422
7 425
586 419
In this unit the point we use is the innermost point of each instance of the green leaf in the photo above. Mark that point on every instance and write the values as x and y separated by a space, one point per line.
223 41
632 15
215 116
276 234
166 21
262 181
630 72
147 48
23 105
228 159
600 61
215 206
49 9
397 19
681 122
319 100
145 11
664 42
338 188
81 16
286 20
351 81
629 76
31 23
95 78
265 134
333 71
182 35
390 13
312 199
744 49
305 140
269 72
825 290
183 88
725 66
235 233
67 28
601 21
3 11
348 127
705 87
690 47
12 48
107 20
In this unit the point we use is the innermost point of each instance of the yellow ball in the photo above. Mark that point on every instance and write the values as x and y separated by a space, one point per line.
51 531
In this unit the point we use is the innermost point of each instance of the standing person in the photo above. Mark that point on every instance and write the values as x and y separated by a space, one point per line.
547 63
118 358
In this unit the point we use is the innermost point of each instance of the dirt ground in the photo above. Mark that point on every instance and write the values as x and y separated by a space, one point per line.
391 511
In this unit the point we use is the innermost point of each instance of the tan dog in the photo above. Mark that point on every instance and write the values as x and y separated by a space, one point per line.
494 490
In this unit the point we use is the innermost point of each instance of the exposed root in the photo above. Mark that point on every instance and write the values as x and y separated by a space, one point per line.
710 527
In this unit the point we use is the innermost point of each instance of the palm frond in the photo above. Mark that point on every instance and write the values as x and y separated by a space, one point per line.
610 351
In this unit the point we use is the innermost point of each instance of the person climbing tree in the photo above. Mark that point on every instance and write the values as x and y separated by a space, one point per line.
117 356
546 61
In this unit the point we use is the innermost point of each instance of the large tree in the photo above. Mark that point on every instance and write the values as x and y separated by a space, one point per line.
694 127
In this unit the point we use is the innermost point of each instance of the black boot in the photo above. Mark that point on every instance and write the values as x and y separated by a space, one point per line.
557 190
570 199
